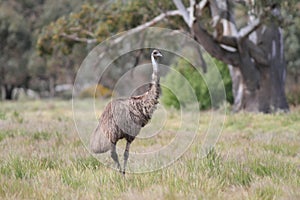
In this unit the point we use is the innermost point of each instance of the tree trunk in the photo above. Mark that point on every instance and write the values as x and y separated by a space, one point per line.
9 91
1 92
255 60
270 95
52 86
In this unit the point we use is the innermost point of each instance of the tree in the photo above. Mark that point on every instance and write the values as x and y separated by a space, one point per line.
254 51
292 40
20 66
15 43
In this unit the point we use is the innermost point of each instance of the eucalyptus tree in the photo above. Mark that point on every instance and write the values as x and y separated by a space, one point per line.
252 47
15 44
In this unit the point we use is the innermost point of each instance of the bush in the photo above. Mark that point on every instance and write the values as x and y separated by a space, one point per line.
96 92
184 83
293 95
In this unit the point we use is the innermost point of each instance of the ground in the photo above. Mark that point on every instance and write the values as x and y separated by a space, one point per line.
42 157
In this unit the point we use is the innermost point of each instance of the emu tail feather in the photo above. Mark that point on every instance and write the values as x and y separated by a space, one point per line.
99 142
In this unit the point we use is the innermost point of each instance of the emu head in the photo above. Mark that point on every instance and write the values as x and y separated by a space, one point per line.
156 54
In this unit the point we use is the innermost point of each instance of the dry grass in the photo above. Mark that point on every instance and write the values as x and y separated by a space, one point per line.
257 157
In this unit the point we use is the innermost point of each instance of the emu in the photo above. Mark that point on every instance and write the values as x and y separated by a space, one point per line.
124 118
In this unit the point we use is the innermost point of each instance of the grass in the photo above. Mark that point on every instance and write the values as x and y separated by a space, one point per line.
257 157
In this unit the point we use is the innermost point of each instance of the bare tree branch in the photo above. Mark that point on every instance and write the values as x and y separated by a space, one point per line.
192 12
79 29
74 37
243 2
229 41
202 4
139 28
213 47
183 11
246 31
147 24
248 68
257 53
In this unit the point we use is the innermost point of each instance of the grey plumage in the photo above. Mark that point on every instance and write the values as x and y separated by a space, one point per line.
124 118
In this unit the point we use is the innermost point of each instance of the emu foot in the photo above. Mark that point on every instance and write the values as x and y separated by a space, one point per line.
122 172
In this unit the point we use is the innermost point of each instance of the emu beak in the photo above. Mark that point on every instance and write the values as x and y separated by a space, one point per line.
159 54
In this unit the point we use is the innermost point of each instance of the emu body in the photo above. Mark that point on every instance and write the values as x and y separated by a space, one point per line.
124 118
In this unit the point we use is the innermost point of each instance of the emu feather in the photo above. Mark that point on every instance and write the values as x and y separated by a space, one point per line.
124 118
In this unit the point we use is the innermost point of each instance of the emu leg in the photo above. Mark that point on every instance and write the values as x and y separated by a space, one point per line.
114 155
126 155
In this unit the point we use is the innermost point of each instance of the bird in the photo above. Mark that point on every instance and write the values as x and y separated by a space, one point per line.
124 118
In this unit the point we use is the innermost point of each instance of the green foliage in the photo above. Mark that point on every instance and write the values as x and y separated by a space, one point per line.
185 77
293 93
98 21
169 98
292 43
292 50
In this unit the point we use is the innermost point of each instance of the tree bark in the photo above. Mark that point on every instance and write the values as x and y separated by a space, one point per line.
9 91
255 59
52 86
1 93
272 91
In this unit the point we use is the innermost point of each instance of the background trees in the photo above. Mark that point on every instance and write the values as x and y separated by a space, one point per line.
20 64
252 47
15 45
240 33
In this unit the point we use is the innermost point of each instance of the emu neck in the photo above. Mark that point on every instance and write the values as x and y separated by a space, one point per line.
155 78
154 91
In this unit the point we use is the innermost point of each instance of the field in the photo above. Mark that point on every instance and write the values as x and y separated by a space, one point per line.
42 157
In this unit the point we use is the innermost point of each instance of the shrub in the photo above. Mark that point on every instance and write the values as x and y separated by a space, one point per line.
184 83
96 91
293 95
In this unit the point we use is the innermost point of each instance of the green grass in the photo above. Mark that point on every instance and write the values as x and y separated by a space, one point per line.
42 157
